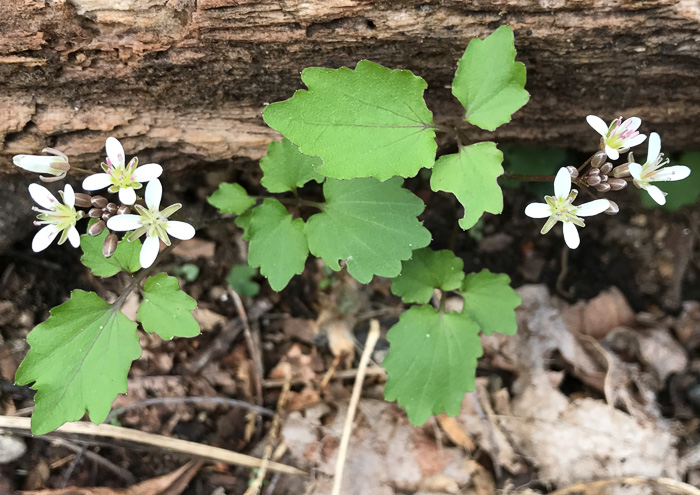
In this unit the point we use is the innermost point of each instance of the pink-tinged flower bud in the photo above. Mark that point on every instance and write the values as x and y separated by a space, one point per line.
110 245
606 168
106 215
112 208
594 171
593 180
99 201
602 187
603 178
613 209
598 159
573 171
617 184
123 210
82 200
622 171
95 212
96 228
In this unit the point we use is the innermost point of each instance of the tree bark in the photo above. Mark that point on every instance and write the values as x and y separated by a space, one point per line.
184 81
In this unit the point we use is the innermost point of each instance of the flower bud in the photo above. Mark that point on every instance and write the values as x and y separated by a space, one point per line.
110 245
598 159
112 208
573 172
602 187
617 184
123 210
594 171
99 201
82 200
106 215
95 212
612 209
622 171
96 228
593 180
606 168
603 178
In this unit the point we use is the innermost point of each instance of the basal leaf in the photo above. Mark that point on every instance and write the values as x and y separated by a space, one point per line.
277 243
431 362
243 222
241 279
231 198
285 168
425 271
490 301
371 225
367 122
471 175
78 361
489 83
125 257
166 310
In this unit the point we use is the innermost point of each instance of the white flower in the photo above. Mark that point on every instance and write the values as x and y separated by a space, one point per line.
152 222
654 171
619 135
56 165
120 177
59 218
559 208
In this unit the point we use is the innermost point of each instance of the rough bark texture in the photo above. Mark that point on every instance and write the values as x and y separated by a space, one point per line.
184 81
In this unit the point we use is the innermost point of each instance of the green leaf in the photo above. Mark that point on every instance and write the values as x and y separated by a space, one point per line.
367 122
490 301
277 243
243 222
471 175
425 271
125 257
231 198
431 363
187 271
681 192
166 310
241 279
78 361
489 83
371 225
285 168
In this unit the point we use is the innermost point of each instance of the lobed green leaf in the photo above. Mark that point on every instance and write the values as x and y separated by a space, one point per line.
78 361
231 198
490 301
241 279
285 168
425 271
489 83
432 362
125 257
166 310
367 122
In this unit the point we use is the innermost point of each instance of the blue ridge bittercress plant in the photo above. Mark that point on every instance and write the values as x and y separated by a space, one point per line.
357 133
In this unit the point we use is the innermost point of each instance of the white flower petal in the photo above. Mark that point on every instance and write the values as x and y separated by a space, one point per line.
635 170
180 230
68 196
149 251
43 196
96 182
147 172
571 235
115 151
677 172
657 194
44 238
38 164
654 147
634 124
598 124
127 195
562 183
122 223
154 192
74 237
632 142
612 153
538 210
593 208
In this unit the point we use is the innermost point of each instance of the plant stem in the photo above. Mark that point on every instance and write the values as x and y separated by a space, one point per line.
528 177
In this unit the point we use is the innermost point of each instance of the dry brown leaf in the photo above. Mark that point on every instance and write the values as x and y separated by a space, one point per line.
208 319
195 248
455 432
482 481
169 484
597 317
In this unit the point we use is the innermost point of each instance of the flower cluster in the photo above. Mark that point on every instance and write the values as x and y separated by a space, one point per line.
600 174
60 217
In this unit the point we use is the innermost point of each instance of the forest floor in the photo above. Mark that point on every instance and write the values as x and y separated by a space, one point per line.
601 382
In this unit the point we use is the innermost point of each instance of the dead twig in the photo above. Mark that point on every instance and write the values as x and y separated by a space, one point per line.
124 474
372 338
672 485
339 375
253 348
22 426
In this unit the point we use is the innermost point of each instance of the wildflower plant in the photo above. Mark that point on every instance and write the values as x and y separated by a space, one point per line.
358 133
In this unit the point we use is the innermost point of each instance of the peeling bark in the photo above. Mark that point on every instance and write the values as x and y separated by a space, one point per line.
184 81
